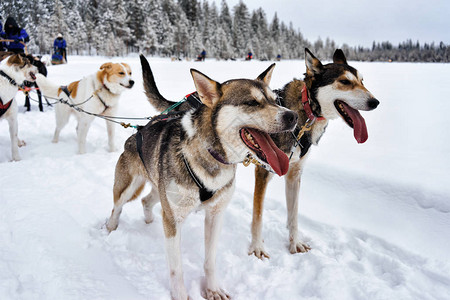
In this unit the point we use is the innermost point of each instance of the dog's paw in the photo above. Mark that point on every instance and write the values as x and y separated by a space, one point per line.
21 143
258 251
149 219
219 294
111 226
16 158
298 247
112 149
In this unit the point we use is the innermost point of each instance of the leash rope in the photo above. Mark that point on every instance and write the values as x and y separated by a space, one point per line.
162 116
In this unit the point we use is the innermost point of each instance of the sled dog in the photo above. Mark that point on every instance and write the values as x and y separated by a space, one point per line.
190 161
329 91
97 93
14 70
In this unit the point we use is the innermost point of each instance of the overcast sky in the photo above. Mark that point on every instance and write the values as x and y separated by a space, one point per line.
360 22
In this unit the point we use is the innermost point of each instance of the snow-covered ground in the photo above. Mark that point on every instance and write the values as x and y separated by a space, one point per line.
376 215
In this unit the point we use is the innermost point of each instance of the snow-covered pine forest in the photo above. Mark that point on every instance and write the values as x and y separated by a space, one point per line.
182 28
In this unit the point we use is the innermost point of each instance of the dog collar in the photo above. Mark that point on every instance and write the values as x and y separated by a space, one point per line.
307 106
106 88
218 157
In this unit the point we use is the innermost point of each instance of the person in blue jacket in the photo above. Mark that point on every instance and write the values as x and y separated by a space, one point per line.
1 33
18 36
59 46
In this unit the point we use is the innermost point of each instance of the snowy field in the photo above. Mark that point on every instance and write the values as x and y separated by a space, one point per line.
376 215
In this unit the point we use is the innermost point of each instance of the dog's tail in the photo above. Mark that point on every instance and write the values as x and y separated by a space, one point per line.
48 88
151 91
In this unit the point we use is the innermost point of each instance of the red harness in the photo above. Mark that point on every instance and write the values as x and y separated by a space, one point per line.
4 107
307 106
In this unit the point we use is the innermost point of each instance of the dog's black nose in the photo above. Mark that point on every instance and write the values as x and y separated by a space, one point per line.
373 103
131 83
290 119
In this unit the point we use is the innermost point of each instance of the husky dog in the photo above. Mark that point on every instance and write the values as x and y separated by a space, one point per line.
190 161
14 70
97 93
335 90
329 91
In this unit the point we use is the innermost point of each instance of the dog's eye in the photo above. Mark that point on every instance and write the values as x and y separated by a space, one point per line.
252 103
121 73
345 82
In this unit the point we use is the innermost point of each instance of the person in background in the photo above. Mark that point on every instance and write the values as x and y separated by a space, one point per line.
249 56
59 46
203 54
17 35
1 32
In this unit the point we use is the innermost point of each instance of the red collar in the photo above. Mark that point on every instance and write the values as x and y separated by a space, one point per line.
307 106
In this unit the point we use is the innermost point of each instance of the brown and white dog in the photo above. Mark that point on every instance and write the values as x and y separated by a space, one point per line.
327 92
190 161
97 93
14 70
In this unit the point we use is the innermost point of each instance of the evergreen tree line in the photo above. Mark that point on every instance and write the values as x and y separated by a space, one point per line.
183 28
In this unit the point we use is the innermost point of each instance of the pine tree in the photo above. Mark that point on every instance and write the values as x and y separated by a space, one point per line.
241 29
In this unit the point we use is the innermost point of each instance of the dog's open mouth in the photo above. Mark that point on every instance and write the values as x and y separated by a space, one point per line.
33 76
354 119
127 86
265 149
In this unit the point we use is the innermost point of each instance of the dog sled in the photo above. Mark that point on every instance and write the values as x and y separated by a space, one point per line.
58 59
10 41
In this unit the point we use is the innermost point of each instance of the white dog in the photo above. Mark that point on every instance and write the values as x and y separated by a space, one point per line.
98 93
14 70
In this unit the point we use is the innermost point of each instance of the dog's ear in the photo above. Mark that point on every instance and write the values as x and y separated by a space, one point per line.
106 66
208 89
339 57
16 59
266 76
313 65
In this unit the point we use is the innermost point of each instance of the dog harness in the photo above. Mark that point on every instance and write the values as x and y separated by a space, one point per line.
205 193
307 107
11 81
4 107
67 92
304 142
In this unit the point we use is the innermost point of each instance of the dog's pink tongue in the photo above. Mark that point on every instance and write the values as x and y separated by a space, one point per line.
276 158
359 124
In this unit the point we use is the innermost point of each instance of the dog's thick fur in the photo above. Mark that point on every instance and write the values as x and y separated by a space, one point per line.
104 88
330 86
197 139
18 67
